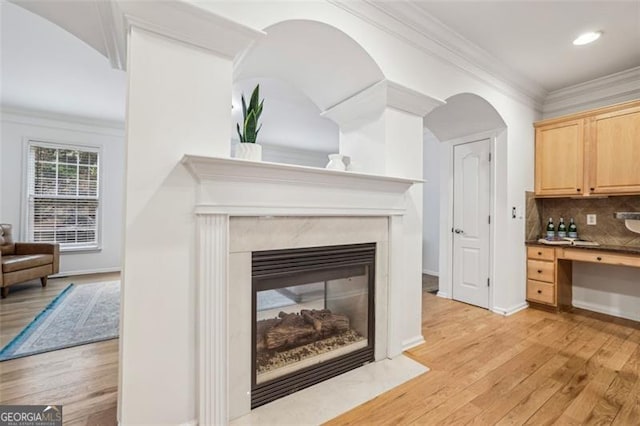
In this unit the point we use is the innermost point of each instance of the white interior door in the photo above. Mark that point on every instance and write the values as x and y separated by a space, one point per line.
471 222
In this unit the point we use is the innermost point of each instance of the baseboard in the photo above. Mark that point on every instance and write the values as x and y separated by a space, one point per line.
430 272
193 422
608 310
85 272
412 342
510 311
443 294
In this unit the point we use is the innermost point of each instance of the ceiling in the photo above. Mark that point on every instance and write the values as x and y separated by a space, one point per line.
534 38
47 68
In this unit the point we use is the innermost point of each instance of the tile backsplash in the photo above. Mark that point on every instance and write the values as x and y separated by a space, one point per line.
607 231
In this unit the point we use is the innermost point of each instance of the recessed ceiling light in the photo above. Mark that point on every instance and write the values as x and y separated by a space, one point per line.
587 38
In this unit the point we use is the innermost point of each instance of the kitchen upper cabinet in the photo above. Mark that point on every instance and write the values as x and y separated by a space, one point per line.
594 152
614 140
559 158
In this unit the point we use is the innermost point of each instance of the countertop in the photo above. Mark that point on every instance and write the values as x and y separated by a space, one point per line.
617 249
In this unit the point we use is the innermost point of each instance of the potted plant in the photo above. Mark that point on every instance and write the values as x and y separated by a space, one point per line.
248 149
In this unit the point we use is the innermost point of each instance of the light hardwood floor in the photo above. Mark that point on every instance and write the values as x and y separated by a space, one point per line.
531 368
83 379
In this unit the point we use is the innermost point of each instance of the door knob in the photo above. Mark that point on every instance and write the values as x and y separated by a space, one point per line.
458 231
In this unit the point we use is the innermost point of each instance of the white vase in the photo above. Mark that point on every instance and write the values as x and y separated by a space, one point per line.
249 151
335 162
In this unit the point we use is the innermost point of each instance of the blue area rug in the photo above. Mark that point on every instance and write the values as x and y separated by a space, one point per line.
80 314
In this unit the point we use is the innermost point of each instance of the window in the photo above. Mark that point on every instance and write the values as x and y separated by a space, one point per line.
63 195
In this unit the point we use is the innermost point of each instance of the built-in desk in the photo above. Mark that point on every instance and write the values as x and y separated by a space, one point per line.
549 269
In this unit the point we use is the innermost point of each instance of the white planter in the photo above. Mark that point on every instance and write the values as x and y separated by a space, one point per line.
249 151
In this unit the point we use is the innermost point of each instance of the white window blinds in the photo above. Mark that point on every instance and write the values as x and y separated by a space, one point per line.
63 195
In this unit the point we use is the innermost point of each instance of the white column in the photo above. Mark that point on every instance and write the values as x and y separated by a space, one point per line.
381 130
179 102
213 252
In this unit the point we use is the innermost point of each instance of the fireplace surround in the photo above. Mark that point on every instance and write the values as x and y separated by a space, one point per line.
244 207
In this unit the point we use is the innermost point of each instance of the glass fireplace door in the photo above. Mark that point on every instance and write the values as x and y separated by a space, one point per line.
313 315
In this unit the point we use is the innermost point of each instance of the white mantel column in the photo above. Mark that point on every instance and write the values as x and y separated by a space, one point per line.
179 102
381 130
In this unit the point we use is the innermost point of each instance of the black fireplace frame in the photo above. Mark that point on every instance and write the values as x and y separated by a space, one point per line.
283 266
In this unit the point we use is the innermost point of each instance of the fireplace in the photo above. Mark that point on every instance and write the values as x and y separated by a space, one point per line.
312 316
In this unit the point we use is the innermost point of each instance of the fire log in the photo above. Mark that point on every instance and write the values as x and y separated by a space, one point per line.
291 331
324 322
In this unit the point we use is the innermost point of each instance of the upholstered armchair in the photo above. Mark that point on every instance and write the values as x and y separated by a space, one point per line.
25 261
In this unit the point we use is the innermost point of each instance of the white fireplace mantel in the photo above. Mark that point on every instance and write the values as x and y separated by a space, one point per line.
231 187
246 188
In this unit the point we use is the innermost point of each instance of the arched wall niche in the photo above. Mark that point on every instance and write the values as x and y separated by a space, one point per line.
304 67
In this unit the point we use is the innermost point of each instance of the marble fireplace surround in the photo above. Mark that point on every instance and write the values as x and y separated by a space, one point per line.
243 206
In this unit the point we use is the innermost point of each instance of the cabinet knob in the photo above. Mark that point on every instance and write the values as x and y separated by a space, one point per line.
592 189
539 253
578 189
598 258
539 291
540 270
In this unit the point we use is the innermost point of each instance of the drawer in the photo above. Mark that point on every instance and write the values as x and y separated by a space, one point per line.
608 258
540 270
541 253
541 292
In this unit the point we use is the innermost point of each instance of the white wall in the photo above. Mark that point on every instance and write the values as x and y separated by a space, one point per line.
431 204
613 290
17 128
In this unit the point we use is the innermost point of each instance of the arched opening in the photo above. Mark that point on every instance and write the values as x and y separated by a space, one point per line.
303 68
454 201
61 182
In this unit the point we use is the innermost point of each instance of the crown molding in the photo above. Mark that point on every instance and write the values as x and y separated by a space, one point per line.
611 89
113 34
40 118
370 102
176 20
413 25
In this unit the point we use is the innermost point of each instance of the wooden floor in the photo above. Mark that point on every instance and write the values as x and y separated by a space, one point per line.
84 379
531 368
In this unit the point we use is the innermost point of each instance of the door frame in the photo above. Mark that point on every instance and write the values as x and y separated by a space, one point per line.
446 211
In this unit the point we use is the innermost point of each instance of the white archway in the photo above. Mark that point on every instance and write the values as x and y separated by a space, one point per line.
464 118
303 67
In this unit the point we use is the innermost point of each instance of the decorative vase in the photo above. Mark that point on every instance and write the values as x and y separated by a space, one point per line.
335 162
249 151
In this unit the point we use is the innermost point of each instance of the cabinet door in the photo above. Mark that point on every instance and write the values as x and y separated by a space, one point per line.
559 158
614 152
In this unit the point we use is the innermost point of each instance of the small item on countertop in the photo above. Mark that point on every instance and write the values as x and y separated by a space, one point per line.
562 229
573 229
551 230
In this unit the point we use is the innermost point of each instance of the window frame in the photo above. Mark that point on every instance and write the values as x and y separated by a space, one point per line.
60 145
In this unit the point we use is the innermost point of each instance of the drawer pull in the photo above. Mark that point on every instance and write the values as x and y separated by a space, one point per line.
599 258
539 253
539 271
539 291
578 189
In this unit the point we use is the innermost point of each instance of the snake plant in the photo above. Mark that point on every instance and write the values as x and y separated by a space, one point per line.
251 115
